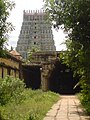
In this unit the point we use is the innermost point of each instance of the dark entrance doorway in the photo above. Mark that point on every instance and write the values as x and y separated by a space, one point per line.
61 80
32 76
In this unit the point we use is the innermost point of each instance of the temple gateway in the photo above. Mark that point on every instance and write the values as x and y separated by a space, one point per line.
45 70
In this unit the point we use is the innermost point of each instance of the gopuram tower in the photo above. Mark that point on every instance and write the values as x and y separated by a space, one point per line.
35 32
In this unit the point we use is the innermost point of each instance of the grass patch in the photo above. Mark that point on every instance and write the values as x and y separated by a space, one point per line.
33 107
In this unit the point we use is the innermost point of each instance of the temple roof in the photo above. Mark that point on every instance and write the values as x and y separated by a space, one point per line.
16 54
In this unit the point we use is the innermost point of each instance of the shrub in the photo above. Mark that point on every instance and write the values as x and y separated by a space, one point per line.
1 118
85 96
35 103
34 107
11 90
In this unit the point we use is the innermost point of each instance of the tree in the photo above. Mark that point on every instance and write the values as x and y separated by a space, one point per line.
73 16
30 53
5 8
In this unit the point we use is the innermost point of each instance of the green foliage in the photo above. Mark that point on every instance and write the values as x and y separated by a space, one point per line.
34 107
31 52
73 15
5 8
1 118
85 94
11 90
74 18
85 100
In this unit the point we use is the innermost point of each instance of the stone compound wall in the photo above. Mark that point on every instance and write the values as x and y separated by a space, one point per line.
10 66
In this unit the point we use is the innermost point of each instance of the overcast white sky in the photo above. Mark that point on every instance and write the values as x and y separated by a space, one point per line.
16 18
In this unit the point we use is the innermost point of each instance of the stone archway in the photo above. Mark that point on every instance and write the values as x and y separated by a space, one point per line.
61 80
48 73
58 78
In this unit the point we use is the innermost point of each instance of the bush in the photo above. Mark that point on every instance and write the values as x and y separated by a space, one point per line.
85 96
34 107
35 103
85 101
11 90
1 118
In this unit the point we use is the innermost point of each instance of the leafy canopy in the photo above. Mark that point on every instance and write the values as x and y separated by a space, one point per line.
74 15
5 27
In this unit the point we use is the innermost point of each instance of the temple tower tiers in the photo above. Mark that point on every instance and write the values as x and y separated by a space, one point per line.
35 32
